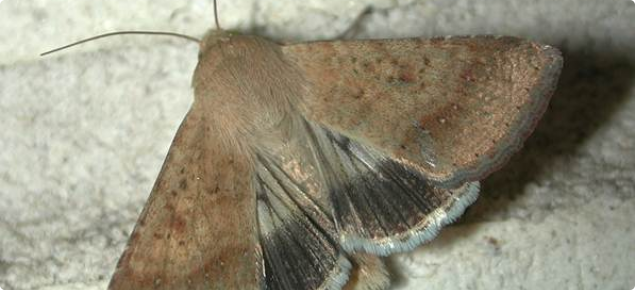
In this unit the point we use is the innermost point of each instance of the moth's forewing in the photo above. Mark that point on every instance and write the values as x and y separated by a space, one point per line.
454 108
198 228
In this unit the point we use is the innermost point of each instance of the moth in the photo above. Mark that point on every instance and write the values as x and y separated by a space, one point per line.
298 164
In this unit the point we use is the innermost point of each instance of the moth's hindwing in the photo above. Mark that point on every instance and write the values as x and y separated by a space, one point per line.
297 233
359 198
382 205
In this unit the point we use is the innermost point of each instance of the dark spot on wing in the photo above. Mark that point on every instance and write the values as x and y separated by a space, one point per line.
183 184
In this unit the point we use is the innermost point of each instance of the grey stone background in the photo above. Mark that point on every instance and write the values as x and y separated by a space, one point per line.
84 132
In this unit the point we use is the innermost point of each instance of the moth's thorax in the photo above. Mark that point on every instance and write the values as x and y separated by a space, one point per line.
245 85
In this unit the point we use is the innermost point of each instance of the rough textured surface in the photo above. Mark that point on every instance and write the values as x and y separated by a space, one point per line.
85 132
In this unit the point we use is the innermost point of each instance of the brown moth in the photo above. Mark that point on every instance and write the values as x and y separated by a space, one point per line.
298 164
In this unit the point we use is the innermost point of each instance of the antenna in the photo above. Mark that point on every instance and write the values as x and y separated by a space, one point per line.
216 15
190 38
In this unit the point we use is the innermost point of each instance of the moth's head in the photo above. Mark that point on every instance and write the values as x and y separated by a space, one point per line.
212 51
213 39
